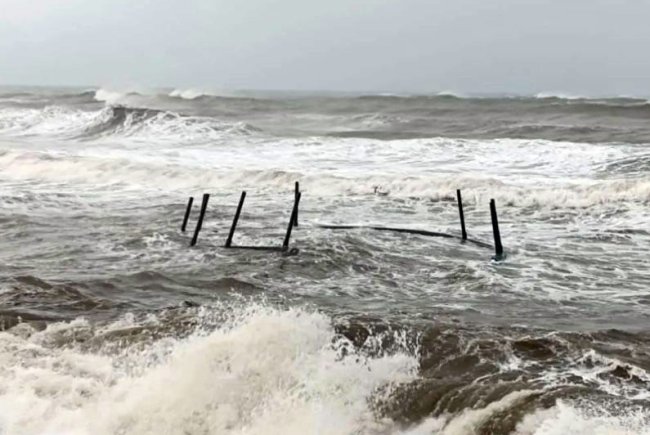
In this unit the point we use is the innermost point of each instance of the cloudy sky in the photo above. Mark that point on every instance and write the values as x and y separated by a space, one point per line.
595 47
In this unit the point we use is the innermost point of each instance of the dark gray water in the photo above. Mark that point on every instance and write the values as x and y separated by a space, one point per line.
114 325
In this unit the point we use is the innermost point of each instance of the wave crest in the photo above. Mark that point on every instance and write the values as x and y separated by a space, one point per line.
112 97
137 124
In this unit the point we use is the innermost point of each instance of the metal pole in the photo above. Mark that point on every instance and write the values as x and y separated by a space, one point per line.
294 213
498 247
187 213
462 214
199 224
296 193
236 219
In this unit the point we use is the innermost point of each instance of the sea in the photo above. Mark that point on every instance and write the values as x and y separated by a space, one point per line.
112 324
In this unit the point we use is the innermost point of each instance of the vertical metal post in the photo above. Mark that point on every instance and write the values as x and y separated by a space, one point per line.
296 193
187 213
236 219
462 214
292 220
498 247
199 224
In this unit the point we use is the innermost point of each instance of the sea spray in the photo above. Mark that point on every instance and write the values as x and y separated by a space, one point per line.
262 371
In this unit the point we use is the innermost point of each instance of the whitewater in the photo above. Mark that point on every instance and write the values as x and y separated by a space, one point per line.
111 324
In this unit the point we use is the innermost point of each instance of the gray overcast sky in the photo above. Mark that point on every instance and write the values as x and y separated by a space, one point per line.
594 47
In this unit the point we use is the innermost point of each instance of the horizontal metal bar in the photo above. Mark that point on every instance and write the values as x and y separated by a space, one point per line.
406 231
260 248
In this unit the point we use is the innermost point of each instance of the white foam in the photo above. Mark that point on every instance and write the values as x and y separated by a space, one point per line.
560 95
50 121
110 96
194 93
337 167
566 418
186 94
562 419
264 371
595 369
468 421
160 128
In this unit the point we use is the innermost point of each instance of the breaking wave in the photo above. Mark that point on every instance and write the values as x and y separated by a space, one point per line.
170 169
559 96
112 97
382 116
260 371
249 368
137 124
194 93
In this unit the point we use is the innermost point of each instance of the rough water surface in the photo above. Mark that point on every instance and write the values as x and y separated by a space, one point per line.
111 324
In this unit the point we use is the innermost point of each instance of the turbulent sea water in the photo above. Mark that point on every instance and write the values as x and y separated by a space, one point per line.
111 324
